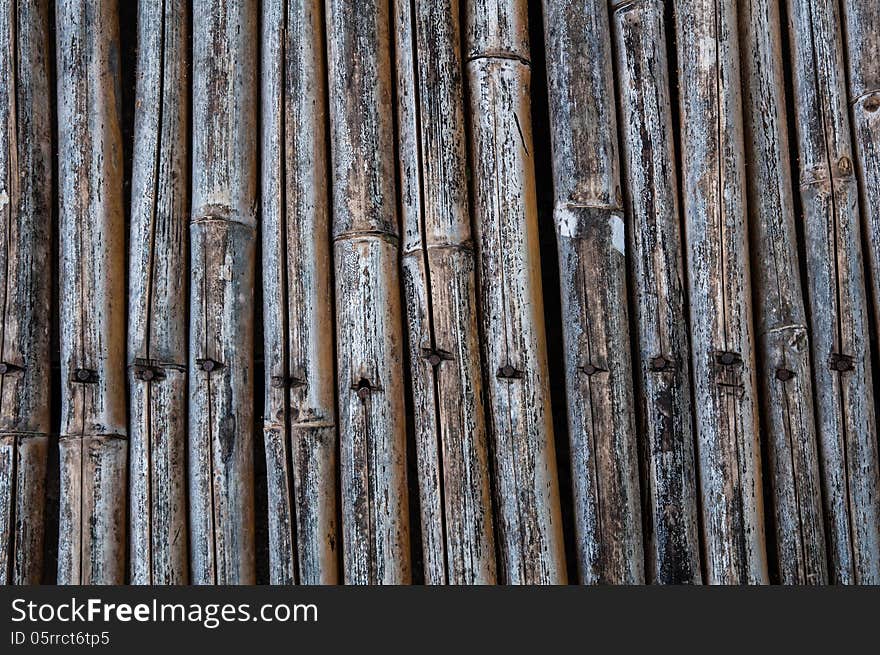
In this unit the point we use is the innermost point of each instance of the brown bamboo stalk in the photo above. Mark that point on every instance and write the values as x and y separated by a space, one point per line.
157 338
510 295
300 412
223 245
27 217
369 328
714 189
836 285
589 219
657 266
785 375
94 448
439 279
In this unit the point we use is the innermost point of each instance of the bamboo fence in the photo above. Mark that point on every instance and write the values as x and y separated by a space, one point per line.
441 291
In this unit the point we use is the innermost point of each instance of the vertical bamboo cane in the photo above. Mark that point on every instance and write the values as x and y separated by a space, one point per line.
657 265
839 317
588 214
862 22
440 282
368 313
93 444
510 295
223 240
300 415
784 345
26 210
720 293
157 338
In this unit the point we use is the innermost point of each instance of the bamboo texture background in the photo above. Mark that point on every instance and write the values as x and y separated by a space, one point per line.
439 291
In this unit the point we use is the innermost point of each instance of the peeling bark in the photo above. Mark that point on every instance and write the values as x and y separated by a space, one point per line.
510 295
785 375
300 412
369 329
157 337
722 342
592 268
27 215
94 446
223 253
439 279
836 285
657 273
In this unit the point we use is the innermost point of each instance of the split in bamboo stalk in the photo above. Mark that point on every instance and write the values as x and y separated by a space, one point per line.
26 209
657 267
158 278
785 376
714 189
94 446
588 214
300 412
223 245
440 283
369 328
510 295
839 318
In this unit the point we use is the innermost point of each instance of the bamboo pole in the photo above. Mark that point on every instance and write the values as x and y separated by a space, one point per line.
510 296
836 285
369 328
439 279
714 189
862 23
657 274
27 215
223 245
300 412
785 376
157 338
93 443
588 213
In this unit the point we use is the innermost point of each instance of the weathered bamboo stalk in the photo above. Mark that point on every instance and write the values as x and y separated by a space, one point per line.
300 412
588 213
657 274
785 375
836 284
510 295
439 278
93 444
714 188
862 23
158 278
27 214
369 327
223 244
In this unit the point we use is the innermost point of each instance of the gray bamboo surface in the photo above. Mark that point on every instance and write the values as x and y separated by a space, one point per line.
836 287
439 291
28 218
223 236
157 289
